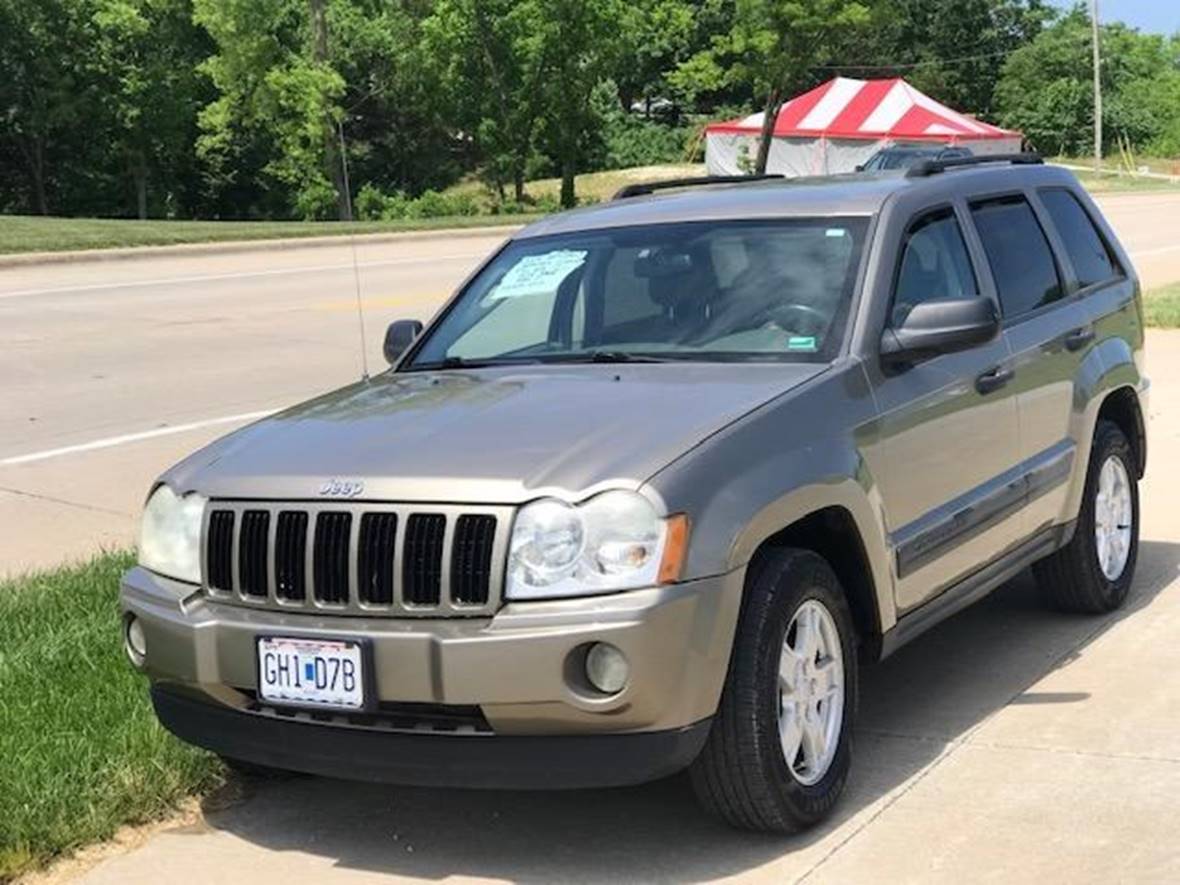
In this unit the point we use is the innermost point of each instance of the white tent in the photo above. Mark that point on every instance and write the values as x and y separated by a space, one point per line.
840 124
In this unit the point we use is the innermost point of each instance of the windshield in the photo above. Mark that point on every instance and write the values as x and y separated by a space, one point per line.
765 290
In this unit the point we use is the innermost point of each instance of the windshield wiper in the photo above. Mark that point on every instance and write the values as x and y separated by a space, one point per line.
459 362
609 356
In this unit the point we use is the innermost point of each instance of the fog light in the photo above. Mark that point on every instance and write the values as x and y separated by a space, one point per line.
134 640
607 668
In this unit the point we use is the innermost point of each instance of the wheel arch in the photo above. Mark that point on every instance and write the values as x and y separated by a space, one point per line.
833 532
1121 406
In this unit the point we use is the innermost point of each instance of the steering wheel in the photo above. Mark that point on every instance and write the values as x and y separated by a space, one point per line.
799 318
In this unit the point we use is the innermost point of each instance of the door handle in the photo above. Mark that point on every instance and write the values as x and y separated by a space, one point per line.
994 379
1079 338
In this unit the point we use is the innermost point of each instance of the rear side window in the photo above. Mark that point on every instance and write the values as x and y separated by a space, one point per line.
934 264
1018 253
1088 253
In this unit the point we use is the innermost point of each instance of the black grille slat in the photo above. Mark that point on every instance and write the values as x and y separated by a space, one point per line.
330 556
219 551
252 552
422 558
291 556
471 558
375 558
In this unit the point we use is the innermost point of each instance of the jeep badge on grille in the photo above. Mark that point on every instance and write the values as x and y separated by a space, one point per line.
342 488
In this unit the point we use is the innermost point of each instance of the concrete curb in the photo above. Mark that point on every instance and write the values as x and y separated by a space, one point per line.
231 247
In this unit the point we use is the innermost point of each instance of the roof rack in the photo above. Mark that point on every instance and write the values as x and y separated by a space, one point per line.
923 168
643 188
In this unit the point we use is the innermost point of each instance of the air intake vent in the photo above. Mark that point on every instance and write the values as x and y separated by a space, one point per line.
332 529
422 558
375 558
291 556
220 550
471 558
252 552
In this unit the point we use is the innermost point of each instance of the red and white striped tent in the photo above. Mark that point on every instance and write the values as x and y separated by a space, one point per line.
837 126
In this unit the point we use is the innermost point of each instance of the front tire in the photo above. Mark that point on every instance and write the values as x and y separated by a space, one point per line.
1092 573
779 750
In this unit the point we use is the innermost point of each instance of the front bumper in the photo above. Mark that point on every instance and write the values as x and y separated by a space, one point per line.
521 667
500 762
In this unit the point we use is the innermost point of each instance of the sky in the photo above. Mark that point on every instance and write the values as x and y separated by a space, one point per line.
1154 16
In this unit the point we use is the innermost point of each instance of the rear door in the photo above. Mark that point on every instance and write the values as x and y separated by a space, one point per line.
1049 333
947 426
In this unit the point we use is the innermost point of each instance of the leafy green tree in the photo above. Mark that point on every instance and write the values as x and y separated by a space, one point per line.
1046 89
272 80
953 51
775 46
46 93
578 40
653 38
144 56
490 56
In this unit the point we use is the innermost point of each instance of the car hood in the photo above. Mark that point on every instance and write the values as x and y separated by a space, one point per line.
492 435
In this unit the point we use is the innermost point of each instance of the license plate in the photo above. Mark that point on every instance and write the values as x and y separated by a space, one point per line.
311 672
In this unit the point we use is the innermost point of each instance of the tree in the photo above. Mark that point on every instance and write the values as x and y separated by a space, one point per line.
45 86
1046 89
774 46
490 56
144 55
653 38
953 51
275 83
578 44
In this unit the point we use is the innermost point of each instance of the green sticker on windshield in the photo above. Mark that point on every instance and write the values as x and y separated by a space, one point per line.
801 342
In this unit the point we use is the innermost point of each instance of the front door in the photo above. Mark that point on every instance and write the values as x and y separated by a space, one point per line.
947 452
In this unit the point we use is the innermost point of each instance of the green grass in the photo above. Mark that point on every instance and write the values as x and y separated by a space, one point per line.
24 233
81 752
34 234
592 187
1117 179
1162 307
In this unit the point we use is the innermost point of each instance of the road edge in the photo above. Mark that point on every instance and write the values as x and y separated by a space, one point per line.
231 247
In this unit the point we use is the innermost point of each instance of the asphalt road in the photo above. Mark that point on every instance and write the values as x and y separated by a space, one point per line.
112 370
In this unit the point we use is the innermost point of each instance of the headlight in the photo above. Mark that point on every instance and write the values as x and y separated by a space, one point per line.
614 541
170 535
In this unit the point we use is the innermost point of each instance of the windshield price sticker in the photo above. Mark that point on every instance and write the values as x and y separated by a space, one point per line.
537 274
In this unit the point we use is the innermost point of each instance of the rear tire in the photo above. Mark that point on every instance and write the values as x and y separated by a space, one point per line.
1092 574
743 774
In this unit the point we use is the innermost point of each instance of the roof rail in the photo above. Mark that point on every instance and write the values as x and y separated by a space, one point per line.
923 168
642 188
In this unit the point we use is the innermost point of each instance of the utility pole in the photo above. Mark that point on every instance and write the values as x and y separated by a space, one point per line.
1097 86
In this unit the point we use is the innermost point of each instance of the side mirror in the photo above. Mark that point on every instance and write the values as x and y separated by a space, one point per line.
945 326
398 338
860 167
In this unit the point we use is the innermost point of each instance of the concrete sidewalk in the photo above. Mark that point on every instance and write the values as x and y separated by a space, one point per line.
1012 744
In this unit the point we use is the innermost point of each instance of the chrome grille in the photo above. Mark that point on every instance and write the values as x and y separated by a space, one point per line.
395 560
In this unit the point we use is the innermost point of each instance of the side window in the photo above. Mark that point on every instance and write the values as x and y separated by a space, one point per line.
1020 258
934 264
1087 250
